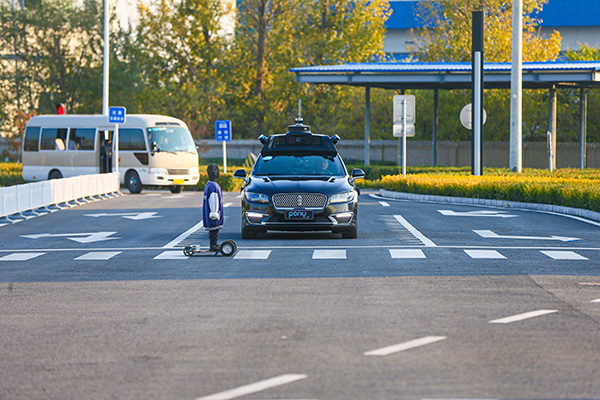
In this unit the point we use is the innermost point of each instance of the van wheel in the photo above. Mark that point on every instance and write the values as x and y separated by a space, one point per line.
55 174
133 183
176 188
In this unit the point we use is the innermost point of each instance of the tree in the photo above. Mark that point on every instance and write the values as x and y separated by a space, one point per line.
446 32
56 48
172 58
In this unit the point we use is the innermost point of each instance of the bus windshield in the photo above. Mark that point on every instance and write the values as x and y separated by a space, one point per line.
171 138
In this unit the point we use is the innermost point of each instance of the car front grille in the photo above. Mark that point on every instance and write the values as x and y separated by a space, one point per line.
299 200
178 171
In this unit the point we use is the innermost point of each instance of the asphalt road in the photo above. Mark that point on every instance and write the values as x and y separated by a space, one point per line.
432 300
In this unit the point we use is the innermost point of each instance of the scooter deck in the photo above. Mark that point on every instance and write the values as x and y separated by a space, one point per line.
227 249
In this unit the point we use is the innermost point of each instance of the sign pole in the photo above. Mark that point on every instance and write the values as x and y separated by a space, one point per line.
224 157
404 138
116 142
477 92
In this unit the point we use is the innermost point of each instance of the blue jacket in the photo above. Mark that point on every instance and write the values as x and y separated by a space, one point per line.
213 204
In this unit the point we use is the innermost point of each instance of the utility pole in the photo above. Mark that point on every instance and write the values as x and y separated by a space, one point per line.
516 90
106 58
477 92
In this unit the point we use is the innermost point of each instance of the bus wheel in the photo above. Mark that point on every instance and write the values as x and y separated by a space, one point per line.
55 174
176 188
133 183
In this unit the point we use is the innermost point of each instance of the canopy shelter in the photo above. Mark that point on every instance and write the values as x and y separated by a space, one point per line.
447 76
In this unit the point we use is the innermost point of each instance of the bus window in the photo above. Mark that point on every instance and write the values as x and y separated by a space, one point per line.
131 139
32 138
82 139
53 138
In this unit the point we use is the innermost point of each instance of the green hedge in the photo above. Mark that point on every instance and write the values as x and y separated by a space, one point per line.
10 174
566 187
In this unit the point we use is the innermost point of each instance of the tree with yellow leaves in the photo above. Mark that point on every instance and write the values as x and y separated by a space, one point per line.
446 32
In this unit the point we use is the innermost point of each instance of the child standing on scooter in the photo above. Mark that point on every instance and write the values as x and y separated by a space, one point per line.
212 209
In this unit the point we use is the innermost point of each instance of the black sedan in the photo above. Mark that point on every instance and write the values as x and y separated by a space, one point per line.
299 183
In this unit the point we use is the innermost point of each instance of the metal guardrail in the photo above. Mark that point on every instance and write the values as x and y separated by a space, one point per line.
32 199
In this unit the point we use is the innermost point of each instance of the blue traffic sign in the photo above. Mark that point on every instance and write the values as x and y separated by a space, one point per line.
223 131
116 115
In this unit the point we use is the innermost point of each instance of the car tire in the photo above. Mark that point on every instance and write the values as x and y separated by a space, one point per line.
55 174
133 183
176 188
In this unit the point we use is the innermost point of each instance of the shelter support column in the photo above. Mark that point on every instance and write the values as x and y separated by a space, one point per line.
367 124
434 127
552 129
583 127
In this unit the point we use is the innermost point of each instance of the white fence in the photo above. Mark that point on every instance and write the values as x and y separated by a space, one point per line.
15 200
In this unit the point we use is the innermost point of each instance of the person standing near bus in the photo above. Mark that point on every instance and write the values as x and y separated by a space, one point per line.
212 208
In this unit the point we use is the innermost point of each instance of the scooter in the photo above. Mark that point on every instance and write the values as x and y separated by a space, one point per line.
227 248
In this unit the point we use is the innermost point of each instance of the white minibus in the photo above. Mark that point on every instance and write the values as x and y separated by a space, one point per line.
152 149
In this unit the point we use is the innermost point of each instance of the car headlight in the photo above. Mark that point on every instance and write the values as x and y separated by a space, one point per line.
194 171
342 197
158 171
257 197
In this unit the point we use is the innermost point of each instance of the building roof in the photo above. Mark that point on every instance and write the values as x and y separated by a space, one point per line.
556 13
419 75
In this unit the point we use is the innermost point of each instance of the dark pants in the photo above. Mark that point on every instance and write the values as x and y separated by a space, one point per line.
213 236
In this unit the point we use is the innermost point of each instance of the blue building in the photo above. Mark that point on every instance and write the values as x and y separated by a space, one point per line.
578 21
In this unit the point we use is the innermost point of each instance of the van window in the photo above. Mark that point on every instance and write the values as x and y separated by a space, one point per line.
131 139
53 138
32 138
82 138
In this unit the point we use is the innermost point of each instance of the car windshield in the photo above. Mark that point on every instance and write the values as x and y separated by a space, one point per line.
296 165
171 138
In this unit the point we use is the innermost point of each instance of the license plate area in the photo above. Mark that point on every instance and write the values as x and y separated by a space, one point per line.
178 181
299 215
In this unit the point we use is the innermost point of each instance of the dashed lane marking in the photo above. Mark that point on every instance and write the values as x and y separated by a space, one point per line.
414 231
329 255
98 255
563 255
252 254
385 204
20 256
485 254
175 242
255 387
595 301
384 351
407 253
521 317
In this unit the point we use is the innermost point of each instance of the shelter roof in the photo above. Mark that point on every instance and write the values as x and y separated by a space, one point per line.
448 75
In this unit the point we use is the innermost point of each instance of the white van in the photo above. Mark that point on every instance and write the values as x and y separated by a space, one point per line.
152 150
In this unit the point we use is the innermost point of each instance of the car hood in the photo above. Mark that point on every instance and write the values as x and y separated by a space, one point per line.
298 185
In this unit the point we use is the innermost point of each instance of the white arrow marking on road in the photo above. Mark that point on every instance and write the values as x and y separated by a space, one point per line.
88 237
492 235
133 216
482 213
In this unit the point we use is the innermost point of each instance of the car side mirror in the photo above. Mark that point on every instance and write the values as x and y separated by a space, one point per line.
240 173
358 173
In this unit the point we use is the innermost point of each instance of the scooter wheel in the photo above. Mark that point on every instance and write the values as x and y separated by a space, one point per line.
228 248
188 251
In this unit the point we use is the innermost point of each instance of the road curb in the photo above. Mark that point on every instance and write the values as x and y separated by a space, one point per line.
578 212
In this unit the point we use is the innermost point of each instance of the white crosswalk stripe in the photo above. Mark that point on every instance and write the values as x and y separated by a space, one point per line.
98 255
20 256
407 253
329 255
563 255
252 254
171 255
485 254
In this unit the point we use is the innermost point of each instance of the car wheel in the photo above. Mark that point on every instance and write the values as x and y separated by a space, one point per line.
55 174
350 234
176 188
133 183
